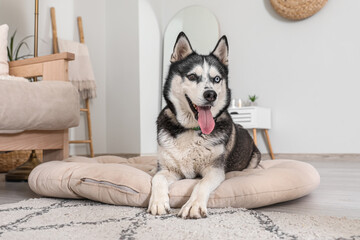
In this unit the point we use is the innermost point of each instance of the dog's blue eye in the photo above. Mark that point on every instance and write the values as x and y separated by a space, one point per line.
192 77
217 79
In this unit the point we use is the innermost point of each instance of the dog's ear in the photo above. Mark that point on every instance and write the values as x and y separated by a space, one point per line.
182 48
221 50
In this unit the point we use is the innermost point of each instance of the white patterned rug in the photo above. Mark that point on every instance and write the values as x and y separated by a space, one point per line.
82 219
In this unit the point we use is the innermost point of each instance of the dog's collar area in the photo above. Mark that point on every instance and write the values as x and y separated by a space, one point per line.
196 128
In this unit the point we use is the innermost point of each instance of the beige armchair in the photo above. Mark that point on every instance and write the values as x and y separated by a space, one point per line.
54 143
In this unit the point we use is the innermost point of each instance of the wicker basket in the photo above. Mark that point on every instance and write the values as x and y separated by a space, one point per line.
11 160
297 9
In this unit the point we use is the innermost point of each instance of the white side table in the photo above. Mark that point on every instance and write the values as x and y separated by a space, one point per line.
254 118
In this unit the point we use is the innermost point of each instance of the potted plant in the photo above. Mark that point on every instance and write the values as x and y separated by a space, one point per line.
253 99
13 53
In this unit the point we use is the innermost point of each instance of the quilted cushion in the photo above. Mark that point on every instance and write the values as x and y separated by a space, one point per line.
120 181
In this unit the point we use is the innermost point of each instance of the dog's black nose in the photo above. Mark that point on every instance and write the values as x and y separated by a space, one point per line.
210 95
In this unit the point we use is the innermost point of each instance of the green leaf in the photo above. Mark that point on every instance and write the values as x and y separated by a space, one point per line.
13 54
9 54
22 40
10 49
17 49
25 56
12 39
253 98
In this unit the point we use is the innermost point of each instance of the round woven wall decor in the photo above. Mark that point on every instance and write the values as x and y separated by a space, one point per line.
297 9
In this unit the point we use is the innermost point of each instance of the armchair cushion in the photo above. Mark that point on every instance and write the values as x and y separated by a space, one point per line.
4 66
44 105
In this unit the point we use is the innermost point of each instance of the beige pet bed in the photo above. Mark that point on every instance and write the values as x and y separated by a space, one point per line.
120 181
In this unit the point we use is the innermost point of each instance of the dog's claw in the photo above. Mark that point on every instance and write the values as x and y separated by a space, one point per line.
203 213
159 203
194 210
159 208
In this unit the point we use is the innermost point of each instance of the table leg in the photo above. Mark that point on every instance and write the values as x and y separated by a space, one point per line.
254 133
269 143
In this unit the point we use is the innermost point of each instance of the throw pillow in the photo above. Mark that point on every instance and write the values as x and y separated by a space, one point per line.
4 66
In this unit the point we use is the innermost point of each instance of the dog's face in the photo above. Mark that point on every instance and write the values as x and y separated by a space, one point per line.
196 88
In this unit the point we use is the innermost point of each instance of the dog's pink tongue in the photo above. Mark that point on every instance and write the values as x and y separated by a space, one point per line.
205 119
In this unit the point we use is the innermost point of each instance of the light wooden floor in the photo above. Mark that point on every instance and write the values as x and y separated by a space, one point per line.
337 195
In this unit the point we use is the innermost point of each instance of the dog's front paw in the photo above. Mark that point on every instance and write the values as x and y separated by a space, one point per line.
193 209
159 205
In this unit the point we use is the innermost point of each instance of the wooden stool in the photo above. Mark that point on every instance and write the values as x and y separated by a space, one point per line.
267 139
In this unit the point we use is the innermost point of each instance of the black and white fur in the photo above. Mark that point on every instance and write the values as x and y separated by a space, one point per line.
185 152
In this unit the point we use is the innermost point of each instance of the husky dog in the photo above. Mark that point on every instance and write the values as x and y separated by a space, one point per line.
195 133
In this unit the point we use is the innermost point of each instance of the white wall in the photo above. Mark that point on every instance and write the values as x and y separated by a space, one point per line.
306 71
149 70
122 82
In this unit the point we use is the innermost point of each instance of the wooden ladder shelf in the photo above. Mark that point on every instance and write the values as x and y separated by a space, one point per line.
87 104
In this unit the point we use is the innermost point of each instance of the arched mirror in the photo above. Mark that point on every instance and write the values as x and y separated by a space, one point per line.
200 26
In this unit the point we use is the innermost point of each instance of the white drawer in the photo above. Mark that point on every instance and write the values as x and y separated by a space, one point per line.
251 117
